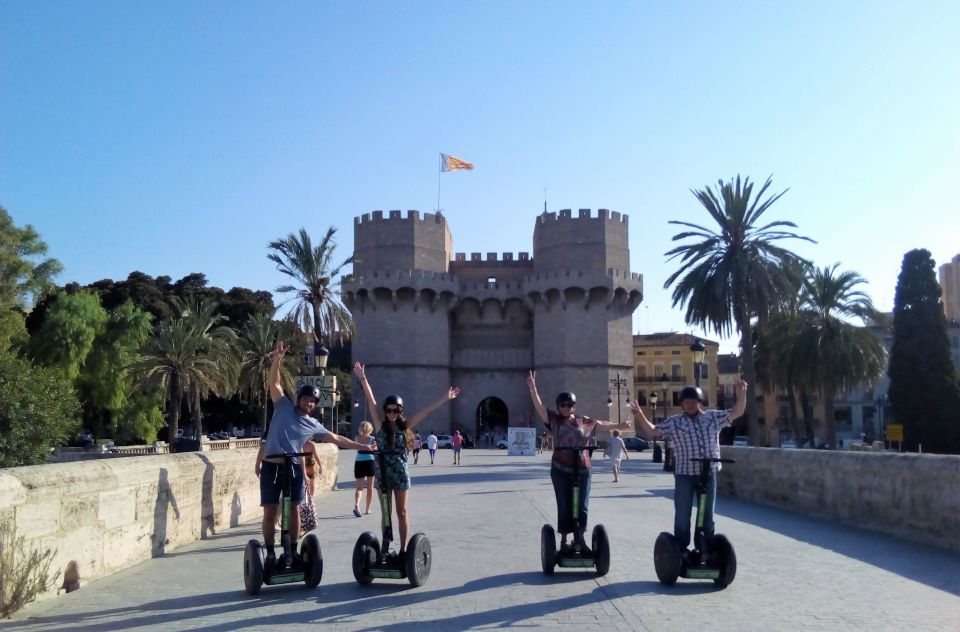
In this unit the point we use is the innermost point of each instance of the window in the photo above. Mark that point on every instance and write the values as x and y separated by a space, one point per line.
674 352
641 353
703 370
657 371
676 398
641 371
491 279
641 398
658 353
676 372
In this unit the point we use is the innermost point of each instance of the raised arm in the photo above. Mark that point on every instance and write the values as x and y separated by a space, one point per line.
413 420
741 405
535 397
360 371
648 429
274 385
345 443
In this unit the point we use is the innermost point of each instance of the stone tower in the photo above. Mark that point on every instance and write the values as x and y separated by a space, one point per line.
426 320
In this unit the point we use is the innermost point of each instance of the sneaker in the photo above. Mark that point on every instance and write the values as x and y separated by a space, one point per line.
356 512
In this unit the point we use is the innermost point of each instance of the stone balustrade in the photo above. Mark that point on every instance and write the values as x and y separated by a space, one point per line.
912 496
101 516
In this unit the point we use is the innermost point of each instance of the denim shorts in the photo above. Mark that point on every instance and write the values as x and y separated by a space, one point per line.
271 483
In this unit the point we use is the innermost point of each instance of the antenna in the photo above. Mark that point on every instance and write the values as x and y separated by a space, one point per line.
544 199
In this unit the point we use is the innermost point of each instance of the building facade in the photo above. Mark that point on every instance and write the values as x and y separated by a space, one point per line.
949 276
427 318
664 363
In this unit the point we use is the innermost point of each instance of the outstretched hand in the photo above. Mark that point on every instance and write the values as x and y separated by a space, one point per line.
634 406
359 371
532 379
453 392
741 384
280 351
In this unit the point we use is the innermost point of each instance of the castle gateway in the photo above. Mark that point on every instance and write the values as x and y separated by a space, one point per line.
426 320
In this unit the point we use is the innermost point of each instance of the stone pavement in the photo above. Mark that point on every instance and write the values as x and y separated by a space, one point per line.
483 519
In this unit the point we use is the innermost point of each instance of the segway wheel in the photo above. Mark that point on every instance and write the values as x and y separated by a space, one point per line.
253 567
725 558
667 558
601 550
365 553
419 558
548 549
312 560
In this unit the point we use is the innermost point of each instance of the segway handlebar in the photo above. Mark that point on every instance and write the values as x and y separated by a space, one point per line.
713 460
590 448
287 455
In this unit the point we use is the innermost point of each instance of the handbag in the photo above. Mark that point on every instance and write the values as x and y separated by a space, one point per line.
308 514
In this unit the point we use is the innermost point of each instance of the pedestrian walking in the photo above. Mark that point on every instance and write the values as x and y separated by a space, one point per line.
616 450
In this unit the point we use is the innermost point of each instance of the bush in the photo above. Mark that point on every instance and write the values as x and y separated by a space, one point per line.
38 411
23 575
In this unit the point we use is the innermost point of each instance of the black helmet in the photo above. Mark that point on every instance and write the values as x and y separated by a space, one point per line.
308 390
566 397
691 392
393 400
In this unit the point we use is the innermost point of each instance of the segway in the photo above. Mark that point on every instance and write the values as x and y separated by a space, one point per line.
371 560
287 570
577 555
708 559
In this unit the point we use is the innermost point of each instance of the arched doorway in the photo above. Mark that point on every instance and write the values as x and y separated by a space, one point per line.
492 421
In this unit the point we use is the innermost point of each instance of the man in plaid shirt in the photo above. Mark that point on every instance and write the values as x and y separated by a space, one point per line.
695 434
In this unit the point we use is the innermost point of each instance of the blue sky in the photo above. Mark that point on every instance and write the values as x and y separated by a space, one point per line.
178 137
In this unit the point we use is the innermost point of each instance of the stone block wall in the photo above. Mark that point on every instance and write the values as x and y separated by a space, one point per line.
103 516
912 496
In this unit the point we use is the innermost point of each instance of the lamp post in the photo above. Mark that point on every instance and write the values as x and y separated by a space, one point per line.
698 352
668 457
657 452
320 356
617 383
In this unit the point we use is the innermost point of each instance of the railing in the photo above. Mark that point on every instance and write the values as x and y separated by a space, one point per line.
649 379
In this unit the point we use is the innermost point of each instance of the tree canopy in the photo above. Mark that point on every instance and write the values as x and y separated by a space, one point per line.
924 389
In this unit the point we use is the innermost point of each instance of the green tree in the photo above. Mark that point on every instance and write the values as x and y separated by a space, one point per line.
829 354
67 334
256 342
734 273
38 411
189 357
24 274
316 305
924 391
106 384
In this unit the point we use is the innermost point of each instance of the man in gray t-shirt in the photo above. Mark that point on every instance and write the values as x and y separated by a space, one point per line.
290 428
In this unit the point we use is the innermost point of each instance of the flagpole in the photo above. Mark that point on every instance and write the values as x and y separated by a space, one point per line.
439 173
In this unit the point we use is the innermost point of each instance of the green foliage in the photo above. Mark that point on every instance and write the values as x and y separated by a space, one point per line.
140 418
924 391
38 410
256 342
735 272
13 331
316 304
68 332
189 357
23 574
21 279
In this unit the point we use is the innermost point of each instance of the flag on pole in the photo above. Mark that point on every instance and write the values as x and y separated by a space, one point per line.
452 163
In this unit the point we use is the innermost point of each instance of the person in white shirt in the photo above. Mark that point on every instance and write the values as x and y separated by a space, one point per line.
432 445
616 450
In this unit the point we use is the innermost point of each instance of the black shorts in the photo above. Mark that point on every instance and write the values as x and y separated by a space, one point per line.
271 484
363 469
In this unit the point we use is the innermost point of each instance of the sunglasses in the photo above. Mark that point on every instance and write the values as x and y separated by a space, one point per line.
393 411
567 405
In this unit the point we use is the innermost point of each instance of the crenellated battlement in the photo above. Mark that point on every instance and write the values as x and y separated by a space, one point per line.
492 258
413 216
584 214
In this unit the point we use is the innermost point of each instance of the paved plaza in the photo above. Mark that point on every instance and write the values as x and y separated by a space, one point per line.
483 519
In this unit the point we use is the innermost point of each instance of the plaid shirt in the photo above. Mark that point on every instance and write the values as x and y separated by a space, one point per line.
693 438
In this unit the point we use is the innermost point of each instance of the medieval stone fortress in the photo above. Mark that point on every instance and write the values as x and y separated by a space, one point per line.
427 318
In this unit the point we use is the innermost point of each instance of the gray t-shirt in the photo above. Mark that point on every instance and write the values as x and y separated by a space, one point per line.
289 429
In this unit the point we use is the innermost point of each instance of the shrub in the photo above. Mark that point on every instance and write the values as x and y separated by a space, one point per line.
23 575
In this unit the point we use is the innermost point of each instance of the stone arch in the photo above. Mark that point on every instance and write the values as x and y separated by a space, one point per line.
492 416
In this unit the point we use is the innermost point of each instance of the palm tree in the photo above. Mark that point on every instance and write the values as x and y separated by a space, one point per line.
316 303
256 343
190 356
735 273
830 354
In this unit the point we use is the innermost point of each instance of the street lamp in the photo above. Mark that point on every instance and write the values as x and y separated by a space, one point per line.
668 458
657 452
617 383
698 352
